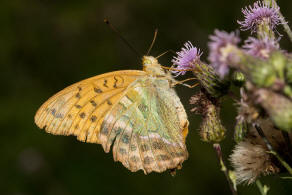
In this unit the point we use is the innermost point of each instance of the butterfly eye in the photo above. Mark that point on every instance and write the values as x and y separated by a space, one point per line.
147 62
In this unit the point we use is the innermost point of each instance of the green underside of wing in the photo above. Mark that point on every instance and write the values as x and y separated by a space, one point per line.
149 111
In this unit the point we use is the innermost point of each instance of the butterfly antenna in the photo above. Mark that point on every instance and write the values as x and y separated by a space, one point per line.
165 53
153 41
122 38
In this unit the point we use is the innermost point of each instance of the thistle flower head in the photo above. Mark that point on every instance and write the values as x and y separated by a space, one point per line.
257 14
186 58
260 48
221 42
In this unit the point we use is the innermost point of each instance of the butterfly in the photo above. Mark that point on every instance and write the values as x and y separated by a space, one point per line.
137 113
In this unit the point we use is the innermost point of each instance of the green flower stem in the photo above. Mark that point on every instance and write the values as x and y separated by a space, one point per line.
286 178
271 150
231 181
263 189
288 91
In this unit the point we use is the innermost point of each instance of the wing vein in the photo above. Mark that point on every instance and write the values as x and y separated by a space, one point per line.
150 143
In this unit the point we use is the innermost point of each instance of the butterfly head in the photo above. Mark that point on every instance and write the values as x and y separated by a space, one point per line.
151 65
149 61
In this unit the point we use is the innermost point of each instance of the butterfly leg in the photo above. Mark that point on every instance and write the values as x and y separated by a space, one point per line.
184 84
190 86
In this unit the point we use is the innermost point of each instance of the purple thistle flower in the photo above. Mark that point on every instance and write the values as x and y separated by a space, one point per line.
260 12
218 41
260 48
186 58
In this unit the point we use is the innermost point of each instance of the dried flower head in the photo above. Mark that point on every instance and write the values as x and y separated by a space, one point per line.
250 158
260 48
218 56
257 14
186 58
250 161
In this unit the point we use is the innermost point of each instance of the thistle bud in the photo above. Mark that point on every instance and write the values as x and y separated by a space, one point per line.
240 130
261 73
278 107
211 129
210 81
238 79
278 60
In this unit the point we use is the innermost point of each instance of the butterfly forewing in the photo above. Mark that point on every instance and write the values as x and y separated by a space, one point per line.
147 127
80 108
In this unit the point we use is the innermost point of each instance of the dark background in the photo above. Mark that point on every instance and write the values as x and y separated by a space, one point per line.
46 45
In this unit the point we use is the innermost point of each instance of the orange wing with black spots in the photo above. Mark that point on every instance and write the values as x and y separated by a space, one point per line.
81 108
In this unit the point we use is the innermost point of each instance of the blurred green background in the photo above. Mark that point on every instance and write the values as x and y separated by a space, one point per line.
46 45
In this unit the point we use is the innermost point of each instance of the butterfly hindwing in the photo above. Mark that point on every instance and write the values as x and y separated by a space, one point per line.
80 108
147 127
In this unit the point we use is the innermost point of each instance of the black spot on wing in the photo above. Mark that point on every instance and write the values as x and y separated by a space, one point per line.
78 106
115 83
148 160
78 95
97 90
105 83
133 147
144 148
123 151
93 103
93 118
53 111
125 139
134 159
82 115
